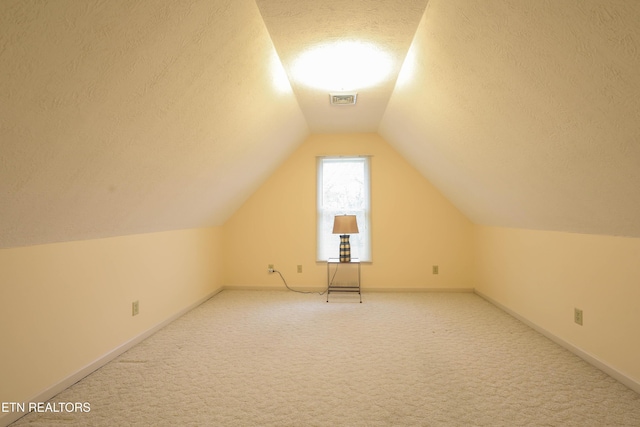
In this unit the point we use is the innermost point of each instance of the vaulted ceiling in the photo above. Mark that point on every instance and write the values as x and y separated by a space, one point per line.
299 26
120 117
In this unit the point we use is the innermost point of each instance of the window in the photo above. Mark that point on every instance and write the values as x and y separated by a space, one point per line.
343 188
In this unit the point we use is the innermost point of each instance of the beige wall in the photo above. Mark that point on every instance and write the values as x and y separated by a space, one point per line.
65 305
544 275
277 224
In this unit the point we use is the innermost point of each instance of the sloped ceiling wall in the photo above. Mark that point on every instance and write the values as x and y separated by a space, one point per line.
526 113
123 117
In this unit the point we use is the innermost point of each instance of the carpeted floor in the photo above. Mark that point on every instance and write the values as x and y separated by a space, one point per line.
398 359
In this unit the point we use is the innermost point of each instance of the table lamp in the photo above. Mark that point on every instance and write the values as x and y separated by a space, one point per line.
345 225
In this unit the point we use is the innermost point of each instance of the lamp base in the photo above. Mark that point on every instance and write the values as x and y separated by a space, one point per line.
345 248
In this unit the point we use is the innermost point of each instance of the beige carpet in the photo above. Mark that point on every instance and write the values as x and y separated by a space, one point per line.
284 359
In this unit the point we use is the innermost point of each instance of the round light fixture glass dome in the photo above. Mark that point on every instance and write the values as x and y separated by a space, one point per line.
342 66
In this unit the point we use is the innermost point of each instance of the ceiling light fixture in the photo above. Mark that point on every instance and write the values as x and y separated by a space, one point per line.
342 66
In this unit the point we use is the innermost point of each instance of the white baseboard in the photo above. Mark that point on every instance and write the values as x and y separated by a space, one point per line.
589 358
418 290
67 382
322 289
257 288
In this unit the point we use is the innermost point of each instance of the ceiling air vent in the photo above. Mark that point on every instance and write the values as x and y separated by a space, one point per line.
343 98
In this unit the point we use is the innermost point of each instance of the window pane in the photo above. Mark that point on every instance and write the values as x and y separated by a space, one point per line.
343 188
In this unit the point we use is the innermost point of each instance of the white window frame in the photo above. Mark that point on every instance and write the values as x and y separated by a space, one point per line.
327 243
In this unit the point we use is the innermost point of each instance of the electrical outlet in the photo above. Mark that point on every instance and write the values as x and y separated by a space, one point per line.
577 316
135 308
270 269
435 269
299 268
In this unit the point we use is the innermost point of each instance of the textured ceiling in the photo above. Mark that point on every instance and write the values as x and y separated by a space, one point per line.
526 113
296 26
121 117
